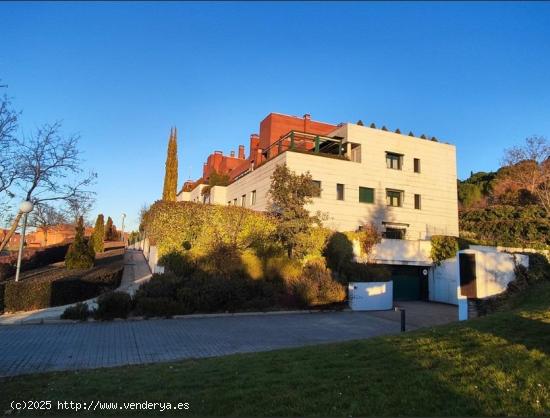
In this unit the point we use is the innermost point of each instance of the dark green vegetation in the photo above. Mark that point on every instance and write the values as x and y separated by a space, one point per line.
495 365
80 255
443 247
96 240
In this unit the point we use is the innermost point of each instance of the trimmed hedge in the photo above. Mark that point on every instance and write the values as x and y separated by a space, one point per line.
38 293
113 305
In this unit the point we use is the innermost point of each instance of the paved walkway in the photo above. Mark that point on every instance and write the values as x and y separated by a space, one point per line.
41 348
136 271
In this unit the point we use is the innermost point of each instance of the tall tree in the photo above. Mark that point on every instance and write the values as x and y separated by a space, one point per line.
528 168
96 240
171 174
44 217
8 155
75 208
79 255
288 195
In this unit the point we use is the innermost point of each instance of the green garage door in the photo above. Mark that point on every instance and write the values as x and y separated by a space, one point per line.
406 287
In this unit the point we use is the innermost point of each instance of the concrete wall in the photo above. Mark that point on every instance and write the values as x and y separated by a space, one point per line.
371 296
396 251
443 282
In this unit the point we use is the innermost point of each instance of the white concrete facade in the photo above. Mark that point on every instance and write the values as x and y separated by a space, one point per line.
435 183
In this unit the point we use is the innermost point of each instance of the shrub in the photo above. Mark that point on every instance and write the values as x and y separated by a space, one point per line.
178 262
80 312
362 272
443 247
282 269
80 255
252 265
317 287
311 244
96 240
113 305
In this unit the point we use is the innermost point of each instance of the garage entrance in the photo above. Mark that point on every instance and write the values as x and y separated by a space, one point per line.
409 283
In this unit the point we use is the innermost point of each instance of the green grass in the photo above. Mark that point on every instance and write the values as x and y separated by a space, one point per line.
496 365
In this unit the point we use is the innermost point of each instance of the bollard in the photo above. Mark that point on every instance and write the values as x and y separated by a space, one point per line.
403 319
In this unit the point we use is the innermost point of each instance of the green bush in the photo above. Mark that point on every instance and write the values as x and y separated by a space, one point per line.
311 244
61 289
178 262
443 247
80 312
253 265
113 305
339 251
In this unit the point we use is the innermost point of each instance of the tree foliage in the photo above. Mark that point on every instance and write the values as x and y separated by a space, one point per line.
96 240
79 255
288 195
171 174
443 247
110 230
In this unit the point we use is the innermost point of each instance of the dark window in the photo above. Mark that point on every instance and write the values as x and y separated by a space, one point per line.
417 202
366 195
317 188
394 198
339 191
253 198
243 200
417 165
235 202
229 203
394 161
394 233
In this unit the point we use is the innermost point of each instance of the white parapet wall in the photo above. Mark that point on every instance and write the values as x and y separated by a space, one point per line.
370 296
397 251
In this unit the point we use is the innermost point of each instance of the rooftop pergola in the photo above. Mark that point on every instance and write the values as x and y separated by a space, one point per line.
303 141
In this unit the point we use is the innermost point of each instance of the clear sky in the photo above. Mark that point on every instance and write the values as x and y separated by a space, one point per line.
121 74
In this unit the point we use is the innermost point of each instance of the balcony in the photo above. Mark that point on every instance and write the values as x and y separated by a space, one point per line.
307 143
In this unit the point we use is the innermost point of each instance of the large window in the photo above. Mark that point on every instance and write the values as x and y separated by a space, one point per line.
417 165
394 161
417 201
317 188
339 191
253 197
394 233
366 195
394 197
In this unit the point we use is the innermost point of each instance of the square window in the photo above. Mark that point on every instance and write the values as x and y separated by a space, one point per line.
417 201
394 198
317 192
394 161
417 165
366 195
339 191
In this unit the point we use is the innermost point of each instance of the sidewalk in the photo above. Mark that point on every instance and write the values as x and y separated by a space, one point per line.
136 272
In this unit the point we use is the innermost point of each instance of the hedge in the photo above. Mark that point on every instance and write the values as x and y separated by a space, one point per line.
38 293
175 226
510 226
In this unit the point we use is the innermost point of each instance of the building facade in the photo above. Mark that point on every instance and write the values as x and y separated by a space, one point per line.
405 185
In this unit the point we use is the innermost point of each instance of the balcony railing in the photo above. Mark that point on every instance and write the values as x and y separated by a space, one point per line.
305 142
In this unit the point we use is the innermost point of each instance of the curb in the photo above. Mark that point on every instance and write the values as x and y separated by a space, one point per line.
191 316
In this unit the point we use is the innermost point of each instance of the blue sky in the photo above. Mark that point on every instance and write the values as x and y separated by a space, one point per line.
120 74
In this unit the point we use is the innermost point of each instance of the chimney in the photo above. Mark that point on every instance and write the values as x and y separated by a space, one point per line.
241 152
232 154
307 118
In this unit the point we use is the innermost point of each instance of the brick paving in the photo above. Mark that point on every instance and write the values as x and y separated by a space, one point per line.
50 347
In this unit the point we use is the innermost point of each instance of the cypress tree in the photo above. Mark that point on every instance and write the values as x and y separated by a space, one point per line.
79 255
96 240
171 175
109 230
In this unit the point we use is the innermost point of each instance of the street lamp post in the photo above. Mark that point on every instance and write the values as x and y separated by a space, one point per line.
25 207
122 229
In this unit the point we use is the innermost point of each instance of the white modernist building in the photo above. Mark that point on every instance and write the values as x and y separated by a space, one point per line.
405 185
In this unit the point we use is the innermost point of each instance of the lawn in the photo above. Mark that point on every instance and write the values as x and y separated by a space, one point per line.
496 365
